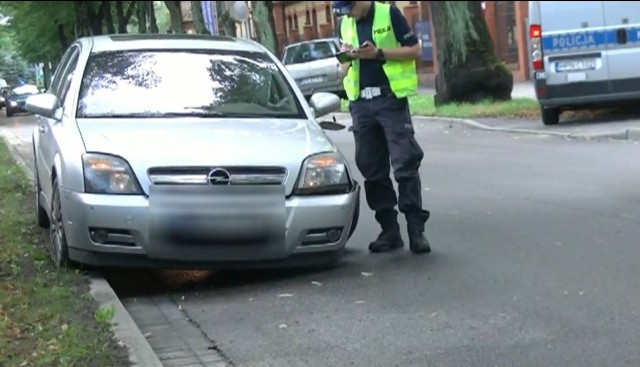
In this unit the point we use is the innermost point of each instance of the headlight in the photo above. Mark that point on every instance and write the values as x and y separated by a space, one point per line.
324 173
105 174
13 103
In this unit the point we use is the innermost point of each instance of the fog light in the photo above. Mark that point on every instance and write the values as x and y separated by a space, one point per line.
333 235
99 236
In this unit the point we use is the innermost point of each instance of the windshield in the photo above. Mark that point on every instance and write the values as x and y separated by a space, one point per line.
185 83
309 51
24 90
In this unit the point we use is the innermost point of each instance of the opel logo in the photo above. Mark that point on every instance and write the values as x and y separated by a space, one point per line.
219 176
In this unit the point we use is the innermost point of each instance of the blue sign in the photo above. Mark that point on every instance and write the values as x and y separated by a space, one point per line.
588 39
210 15
423 33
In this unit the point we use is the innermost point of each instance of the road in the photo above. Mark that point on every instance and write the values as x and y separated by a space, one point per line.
535 258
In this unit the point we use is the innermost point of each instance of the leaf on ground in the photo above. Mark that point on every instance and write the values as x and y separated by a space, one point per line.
284 295
366 274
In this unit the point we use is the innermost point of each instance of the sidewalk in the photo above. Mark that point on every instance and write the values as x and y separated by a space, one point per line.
520 90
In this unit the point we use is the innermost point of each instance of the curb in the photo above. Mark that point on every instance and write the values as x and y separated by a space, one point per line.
122 325
622 134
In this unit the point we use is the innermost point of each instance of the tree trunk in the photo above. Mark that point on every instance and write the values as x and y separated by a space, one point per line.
264 24
151 11
176 16
469 70
198 18
111 29
122 23
225 19
142 17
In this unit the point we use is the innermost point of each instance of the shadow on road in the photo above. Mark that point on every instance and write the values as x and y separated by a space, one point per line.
131 283
609 115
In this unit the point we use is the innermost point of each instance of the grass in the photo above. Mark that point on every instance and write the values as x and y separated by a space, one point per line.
516 108
47 317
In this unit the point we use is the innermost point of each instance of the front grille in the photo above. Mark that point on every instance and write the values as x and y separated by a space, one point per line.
235 175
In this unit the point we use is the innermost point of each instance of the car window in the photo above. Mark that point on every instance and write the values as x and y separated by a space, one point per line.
153 83
310 51
57 77
66 78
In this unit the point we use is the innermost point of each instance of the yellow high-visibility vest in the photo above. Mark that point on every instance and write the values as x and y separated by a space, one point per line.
402 75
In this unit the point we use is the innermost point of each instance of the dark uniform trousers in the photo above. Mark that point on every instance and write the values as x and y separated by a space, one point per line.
383 133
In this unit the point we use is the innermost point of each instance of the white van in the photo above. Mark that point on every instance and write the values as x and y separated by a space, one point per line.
584 54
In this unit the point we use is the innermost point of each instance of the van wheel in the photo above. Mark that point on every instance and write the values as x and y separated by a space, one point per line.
550 116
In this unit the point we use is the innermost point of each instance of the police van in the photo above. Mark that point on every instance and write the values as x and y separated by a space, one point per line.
584 54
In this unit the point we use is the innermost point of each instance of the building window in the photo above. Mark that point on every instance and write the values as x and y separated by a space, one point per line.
328 14
295 21
290 21
307 18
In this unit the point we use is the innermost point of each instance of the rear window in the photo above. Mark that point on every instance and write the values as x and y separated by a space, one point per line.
183 83
311 51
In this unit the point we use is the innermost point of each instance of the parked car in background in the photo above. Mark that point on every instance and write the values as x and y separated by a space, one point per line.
233 170
314 66
3 93
16 98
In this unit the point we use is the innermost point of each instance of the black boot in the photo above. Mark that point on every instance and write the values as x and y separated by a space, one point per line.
418 243
388 240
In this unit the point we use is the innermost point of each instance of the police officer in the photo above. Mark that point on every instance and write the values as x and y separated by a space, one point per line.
378 80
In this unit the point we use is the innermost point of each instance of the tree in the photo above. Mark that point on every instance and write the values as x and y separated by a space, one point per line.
265 25
469 70
225 19
12 67
175 14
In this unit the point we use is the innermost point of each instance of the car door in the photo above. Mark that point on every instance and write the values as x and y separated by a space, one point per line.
575 48
622 19
47 145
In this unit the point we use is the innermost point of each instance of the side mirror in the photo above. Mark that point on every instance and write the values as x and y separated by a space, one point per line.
45 104
324 103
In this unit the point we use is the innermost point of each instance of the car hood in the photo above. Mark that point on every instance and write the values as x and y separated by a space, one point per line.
146 143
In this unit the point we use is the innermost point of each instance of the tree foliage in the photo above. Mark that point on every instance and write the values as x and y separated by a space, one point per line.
44 29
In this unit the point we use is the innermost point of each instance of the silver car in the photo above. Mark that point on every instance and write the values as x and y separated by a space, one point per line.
187 151
314 66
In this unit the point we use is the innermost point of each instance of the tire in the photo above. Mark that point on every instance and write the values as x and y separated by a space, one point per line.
58 247
550 116
42 218
9 112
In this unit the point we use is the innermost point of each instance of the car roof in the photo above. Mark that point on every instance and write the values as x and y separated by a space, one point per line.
333 39
118 42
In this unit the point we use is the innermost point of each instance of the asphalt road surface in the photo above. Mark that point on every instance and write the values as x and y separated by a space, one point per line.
535 263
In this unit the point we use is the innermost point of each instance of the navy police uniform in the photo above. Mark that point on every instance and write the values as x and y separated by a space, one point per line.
383 132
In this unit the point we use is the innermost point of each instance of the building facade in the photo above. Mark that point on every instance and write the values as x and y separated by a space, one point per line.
506 20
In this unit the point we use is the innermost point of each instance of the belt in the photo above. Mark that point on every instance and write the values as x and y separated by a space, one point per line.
374 92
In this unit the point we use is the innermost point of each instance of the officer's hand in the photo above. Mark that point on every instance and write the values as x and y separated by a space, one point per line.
366 51
346 47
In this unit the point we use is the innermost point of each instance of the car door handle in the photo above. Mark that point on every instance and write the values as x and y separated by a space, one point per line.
42 129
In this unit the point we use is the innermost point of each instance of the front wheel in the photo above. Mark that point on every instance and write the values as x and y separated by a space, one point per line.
42 219
58 247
